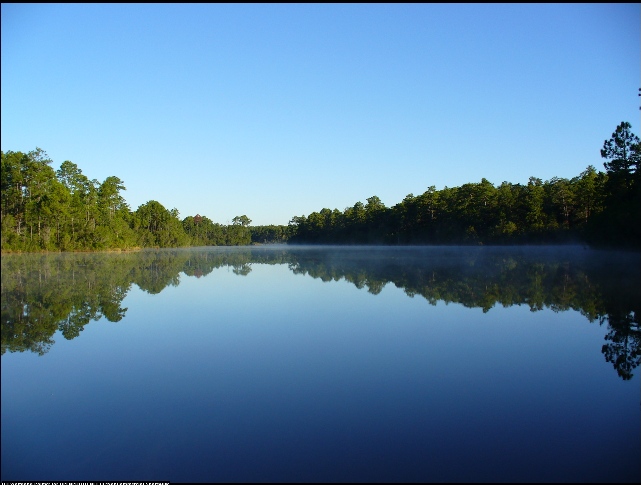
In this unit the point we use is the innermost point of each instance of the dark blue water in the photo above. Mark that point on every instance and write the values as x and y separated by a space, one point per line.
322 365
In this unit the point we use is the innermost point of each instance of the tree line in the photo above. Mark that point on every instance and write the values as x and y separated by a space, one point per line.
63 210
598 208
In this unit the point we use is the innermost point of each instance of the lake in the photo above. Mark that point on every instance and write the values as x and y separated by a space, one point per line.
284 363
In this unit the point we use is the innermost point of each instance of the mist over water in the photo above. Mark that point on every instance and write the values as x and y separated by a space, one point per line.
291 363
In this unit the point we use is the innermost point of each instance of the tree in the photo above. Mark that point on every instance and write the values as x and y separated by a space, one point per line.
535 216
623 152
71 176
620 221
241 221
156 226
562 198
238 234
12 191
38 177
109 196
507 212
588 192
375 212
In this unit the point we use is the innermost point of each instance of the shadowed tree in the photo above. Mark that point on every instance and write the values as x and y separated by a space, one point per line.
620 222
622 151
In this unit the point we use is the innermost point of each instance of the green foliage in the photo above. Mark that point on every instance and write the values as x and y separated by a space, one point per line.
241 221
159 227
203 231
62 210
557 210
594 207
269 234
43 209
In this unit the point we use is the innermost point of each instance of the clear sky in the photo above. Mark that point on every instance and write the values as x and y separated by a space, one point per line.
280 110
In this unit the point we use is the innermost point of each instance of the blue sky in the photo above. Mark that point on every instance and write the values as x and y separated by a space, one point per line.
279 110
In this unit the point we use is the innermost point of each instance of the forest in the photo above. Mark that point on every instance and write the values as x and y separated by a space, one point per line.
595 208
63 210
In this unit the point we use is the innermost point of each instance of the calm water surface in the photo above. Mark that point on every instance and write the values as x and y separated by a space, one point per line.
322 364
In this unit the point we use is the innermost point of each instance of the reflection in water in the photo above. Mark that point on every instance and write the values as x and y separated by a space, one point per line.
42 294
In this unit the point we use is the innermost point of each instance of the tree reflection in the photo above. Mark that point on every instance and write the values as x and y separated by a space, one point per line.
624 342
42 294
603 286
